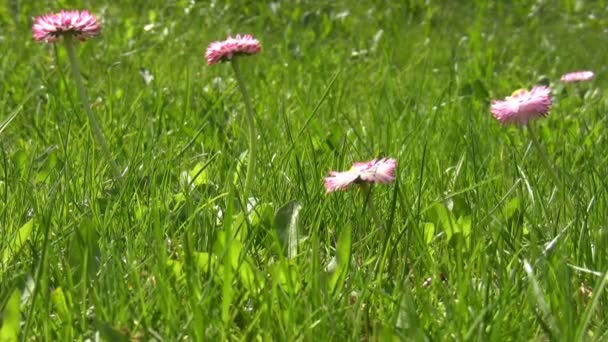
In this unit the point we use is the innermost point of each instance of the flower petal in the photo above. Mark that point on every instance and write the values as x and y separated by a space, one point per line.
51 27
224 50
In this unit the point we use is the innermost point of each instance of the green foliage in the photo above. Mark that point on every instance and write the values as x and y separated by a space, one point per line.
18 240
343 259
11 316
476 240
286 224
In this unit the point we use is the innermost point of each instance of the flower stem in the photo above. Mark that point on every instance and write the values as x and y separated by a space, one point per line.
369 206
84 99
252 131
543 154
369 202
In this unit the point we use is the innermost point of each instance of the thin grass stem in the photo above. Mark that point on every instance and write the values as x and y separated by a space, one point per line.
84 99
250 117
544 155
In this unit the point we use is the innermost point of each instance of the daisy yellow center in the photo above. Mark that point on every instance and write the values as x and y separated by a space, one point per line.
519 92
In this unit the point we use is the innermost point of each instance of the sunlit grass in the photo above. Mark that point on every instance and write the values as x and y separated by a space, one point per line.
475 240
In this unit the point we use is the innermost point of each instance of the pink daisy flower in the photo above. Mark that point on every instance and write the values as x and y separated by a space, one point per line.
53 26
224 50
577 76
522 105
375 171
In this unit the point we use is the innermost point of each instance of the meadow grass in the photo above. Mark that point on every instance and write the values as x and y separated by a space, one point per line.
475 240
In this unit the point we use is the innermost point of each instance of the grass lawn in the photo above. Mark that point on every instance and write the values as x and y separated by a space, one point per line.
483 235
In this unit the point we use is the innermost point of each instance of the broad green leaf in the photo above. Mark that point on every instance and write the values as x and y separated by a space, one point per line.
457 206
408 320
227 290
152 15
61 305
429 232
14 246
446 219
22 161
198 175
239 227
228 250
11 318
84 252
248 276
262 215
178 198
233 252
511 208
464 227
177 269
204 261
336 281
526 230
239 262
140 210
285 275
449 224
242 164
286 225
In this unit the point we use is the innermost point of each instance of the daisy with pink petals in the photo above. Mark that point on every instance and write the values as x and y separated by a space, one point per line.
53 26
379 171
221 51
228 51
522 106
340 180
67 26
577 76
375 171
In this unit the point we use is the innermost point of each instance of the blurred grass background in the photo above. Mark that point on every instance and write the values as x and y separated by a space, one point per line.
474 241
